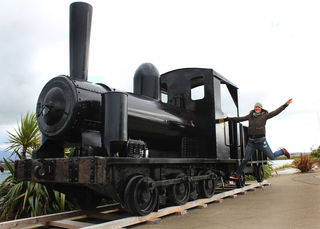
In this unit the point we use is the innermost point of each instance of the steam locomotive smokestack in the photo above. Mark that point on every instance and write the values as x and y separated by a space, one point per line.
80 26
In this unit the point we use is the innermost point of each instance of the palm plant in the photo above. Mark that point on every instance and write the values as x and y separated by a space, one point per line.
24 199
26 138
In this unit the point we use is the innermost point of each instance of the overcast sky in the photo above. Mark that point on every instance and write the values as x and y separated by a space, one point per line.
269 49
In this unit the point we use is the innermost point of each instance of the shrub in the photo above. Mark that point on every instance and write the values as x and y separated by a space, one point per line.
304 163
250 178
25 199
315 153
268 170
25 138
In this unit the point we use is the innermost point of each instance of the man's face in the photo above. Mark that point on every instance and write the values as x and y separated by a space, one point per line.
257 109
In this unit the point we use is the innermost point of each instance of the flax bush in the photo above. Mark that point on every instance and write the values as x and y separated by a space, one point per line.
25 199
304 163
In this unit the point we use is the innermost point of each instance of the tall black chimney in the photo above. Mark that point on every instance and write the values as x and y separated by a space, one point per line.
80 26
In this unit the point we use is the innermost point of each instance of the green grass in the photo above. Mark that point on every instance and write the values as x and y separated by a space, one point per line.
250 178
285 158
268 170
284 167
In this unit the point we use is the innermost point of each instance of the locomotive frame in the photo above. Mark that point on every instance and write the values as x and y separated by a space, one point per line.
136 148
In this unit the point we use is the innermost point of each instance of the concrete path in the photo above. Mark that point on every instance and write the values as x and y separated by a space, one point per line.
292 201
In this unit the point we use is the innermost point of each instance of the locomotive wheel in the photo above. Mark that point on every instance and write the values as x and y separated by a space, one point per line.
179 193
128 191
139 198
259 173
207 187
241 182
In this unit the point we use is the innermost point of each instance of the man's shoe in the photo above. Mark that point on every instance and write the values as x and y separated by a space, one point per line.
286 152
235 177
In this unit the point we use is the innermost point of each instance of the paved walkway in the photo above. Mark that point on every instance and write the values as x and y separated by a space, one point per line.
292 201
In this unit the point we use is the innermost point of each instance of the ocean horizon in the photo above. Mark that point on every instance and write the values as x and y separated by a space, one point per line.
4 175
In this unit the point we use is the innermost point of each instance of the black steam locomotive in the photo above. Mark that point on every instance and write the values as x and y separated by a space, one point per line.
161 143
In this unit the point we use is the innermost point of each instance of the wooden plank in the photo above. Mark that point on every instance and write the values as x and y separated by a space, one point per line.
121 223
70 224
154 221
243 193
38 219
114 207
203 206
218 201
101 170
62 170
105 216
33 226
52 217
182 212
20 171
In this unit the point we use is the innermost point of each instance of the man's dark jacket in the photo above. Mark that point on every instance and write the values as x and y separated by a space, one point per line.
257 125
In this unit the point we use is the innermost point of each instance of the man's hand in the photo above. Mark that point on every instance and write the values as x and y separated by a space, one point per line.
289 101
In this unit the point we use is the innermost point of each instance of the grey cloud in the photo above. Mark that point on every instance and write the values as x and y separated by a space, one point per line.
24 29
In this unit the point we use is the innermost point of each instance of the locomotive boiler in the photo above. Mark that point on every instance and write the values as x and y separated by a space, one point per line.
161 143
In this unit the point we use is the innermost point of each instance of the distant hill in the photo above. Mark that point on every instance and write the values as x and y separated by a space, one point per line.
300 153
4 154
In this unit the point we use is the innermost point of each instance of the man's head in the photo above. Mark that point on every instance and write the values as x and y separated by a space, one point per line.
258 108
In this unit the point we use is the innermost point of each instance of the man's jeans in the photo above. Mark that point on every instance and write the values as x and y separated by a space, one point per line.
260 144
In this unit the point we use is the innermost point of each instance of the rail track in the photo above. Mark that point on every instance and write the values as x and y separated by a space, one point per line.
114 216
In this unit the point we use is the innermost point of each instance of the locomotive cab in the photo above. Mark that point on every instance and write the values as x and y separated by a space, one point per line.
196 92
